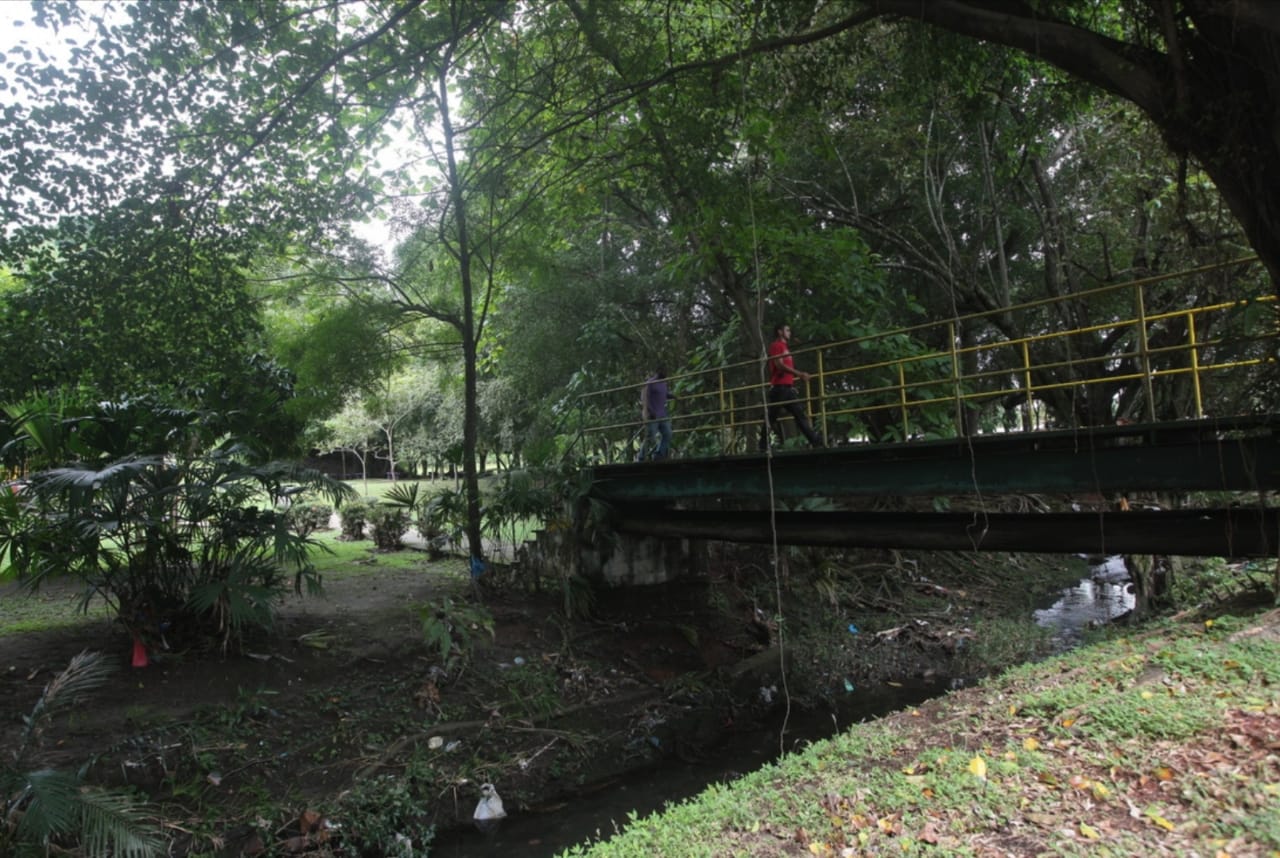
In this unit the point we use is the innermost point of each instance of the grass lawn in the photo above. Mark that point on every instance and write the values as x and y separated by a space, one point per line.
341 558
379 488
55 605
52 607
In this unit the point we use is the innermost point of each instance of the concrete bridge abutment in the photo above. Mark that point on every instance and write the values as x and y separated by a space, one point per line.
620 560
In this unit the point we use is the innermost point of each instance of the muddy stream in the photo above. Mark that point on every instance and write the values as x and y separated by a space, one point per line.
1101 595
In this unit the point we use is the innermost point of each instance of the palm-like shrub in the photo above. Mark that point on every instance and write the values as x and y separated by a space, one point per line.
520 497
174 528
47 808
439 517
388 525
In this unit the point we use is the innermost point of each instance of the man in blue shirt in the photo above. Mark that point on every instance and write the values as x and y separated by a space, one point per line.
653 408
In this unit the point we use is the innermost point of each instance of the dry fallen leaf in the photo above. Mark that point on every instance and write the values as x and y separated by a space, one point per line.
978 768
308 821
428 695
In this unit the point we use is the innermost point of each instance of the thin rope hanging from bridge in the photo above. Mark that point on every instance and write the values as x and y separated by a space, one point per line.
981 522
768 446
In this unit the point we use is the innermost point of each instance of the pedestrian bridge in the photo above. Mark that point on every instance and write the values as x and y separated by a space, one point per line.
1020 429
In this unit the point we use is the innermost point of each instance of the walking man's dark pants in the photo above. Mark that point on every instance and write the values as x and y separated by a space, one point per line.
784 398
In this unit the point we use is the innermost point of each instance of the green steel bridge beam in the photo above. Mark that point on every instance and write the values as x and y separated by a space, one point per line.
1240 454
1235 532
750 499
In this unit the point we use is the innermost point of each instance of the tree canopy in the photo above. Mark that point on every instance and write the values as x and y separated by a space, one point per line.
580 189
1206 73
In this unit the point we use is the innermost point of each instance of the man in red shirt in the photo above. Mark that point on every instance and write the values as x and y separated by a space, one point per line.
782 390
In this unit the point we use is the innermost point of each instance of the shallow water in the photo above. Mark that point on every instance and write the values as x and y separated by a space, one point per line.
1096 599
604 812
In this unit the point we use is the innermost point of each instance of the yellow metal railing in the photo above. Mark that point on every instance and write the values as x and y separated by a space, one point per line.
1149 355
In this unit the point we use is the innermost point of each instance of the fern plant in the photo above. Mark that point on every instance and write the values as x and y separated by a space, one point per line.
450 626
46 808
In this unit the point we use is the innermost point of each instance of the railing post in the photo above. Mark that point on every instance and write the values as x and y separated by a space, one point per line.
1195 362
902 400
955 379
1026 383
611 452
733 422
1144 352
726 431
822 398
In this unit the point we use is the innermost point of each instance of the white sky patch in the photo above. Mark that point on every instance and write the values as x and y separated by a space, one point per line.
19 29
48 45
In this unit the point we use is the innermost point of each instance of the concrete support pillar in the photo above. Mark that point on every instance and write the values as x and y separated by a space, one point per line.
633 560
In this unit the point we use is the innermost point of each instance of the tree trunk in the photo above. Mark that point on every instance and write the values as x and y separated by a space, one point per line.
463 254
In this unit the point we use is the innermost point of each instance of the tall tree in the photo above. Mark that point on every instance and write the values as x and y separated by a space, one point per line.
1206 72
259 123
681 136
120 305
984 179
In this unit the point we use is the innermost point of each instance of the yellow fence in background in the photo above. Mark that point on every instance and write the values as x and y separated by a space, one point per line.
1149 352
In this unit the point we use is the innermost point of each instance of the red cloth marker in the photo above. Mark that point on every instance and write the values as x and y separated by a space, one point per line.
139 653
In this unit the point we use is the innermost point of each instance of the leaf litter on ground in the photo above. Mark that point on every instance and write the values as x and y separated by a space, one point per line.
1164 742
